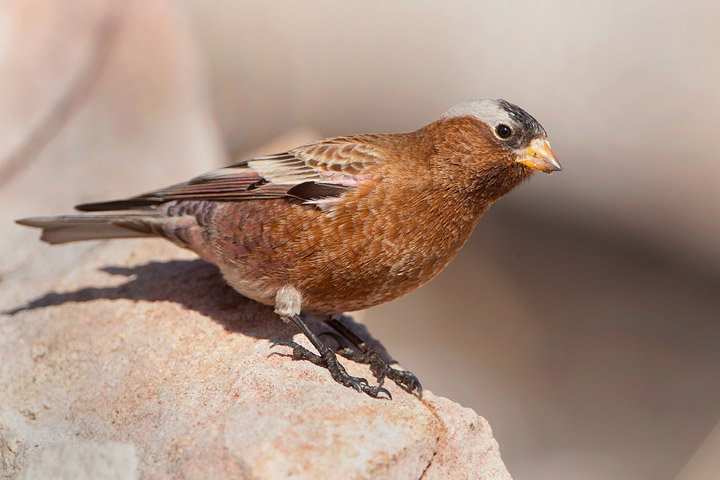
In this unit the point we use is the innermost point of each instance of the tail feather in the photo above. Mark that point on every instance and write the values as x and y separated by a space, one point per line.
73 228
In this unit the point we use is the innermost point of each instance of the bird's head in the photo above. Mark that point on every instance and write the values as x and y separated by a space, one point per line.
495 142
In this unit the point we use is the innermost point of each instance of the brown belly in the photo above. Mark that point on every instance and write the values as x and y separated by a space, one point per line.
341 260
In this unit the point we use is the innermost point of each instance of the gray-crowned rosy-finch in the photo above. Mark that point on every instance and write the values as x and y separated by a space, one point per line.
337 225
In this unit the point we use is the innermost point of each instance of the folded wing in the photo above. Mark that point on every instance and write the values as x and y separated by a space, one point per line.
313 172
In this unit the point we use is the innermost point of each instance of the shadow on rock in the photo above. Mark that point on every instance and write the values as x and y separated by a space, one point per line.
194 284
199 286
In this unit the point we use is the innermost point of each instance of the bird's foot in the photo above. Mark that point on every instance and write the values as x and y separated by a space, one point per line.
366 354
327 359
381 369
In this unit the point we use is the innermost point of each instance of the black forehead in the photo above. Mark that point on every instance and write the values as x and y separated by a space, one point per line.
523 119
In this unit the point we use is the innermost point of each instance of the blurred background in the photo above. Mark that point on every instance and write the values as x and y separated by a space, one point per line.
582 319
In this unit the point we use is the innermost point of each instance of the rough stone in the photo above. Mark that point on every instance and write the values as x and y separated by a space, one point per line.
144 344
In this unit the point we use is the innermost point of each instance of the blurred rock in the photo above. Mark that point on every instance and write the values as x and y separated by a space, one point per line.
105 99
51 56
705 463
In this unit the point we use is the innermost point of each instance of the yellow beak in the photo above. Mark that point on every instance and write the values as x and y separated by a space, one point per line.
538 156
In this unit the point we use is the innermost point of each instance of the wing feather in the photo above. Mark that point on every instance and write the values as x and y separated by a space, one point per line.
312 172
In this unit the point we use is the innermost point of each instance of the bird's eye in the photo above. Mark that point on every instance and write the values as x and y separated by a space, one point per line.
503 131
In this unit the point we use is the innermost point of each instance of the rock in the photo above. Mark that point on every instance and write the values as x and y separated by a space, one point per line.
144 344
467 448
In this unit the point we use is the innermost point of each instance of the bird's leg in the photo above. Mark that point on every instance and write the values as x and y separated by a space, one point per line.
378 366
288 307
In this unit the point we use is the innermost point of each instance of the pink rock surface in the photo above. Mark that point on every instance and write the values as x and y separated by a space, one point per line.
143 344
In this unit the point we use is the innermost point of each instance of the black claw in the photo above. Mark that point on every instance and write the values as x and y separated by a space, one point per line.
299 353
284 344
405 380
378 390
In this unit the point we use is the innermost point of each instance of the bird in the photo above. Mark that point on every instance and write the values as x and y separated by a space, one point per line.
337 225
